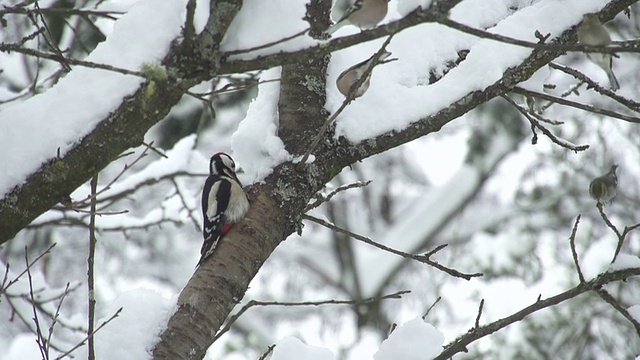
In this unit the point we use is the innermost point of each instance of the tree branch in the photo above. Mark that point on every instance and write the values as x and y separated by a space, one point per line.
460 344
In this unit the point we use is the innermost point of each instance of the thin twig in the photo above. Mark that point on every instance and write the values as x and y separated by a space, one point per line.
42 342
155 149
604 216
477 323
48 38
81 343
320 199
348 99
536 124
15 311
621 238
186 206
461 343
574 253
252 303
87 201
266 353
577 105
604 294
264 46
56 315
446 21
60 11
421 258
431 307
629 103
90 262
3 288
4 47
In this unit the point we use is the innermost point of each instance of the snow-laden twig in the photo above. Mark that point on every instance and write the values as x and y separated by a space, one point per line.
420 258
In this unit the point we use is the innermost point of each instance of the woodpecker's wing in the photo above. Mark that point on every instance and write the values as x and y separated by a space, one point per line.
215 201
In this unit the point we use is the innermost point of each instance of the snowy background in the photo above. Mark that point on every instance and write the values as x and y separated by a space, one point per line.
505 207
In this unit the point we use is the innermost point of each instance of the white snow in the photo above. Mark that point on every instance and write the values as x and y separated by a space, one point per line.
135 330
625 261
252 28
407 6
256 146
414 340
634 311
291 348
35 129
23 347
399 96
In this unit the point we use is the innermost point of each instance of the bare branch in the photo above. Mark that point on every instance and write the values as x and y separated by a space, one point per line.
577 105
629 103
81 343
56 315
252 303
90 272
536 124
3 288
604 294
431 307
42 342
461 343
4 47
444 20
421 258
574 253
264 46
320 199
89 200
266 353
480 307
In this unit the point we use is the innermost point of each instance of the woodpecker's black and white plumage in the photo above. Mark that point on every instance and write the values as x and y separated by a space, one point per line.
224 203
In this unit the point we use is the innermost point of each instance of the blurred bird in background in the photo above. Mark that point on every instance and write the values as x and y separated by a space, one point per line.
365 14
593 33
604 188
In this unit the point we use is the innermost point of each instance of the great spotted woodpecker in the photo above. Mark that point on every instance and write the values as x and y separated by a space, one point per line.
224 203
